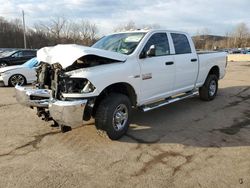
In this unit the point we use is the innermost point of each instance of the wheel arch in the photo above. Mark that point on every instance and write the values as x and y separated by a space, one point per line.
119 87
215 70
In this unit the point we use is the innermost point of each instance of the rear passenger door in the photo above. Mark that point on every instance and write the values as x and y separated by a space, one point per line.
186 62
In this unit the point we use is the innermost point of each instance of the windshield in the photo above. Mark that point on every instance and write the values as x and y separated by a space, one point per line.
31 63
124 43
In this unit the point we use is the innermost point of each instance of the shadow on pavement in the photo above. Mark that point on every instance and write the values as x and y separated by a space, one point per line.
223 122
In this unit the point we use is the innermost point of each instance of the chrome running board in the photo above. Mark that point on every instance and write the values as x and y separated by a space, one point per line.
168 101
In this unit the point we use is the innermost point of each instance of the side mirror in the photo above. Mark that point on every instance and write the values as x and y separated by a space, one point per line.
151 51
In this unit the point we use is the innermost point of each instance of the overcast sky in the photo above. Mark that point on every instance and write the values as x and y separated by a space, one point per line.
219 16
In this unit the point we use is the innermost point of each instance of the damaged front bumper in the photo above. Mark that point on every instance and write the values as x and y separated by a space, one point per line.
65 113
32 97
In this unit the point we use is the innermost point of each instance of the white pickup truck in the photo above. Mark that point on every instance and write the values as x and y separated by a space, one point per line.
143 69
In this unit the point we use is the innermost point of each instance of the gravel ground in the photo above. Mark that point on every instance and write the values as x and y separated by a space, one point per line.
190 143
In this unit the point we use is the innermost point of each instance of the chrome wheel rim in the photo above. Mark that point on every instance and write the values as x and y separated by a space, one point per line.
3 65
120 117
212 88
17 80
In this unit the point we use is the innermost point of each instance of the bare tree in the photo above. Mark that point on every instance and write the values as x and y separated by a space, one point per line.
57 30
130 25
74 32
87 32
11 33
241 35
151 26
202 39
57 27
93 31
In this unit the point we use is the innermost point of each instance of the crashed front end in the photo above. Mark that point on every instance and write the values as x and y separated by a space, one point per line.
59 94
48 96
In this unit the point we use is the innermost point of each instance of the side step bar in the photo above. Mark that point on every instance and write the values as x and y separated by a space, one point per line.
168 101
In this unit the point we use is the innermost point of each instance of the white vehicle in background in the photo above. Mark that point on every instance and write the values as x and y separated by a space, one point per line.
19 74
140 69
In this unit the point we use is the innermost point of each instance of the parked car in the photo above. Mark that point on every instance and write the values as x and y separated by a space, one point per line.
235 51
19 74
247 51
140 69
16 57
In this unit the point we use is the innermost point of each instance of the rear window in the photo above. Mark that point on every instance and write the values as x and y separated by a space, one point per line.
181 43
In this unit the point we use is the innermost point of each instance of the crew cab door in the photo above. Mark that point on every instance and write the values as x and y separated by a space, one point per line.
157 68
186 61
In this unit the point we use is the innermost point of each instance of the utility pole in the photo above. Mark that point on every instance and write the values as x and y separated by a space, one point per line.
24 31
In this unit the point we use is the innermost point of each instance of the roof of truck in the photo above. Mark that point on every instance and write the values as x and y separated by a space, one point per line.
149 30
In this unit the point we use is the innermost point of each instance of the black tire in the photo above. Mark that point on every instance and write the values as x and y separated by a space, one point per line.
3 64
20 80
110 113
209 90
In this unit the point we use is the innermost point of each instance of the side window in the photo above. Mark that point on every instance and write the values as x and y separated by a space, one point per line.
17 54
160 41
28 53
181 43
33 53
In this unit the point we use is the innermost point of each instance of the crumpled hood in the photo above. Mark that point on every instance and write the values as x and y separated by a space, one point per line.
67 54
9 68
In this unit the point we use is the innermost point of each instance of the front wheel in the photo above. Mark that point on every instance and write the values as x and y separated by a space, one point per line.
209 90
17 79
113 115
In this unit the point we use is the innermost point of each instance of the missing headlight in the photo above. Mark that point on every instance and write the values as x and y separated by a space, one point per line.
75 85
88 88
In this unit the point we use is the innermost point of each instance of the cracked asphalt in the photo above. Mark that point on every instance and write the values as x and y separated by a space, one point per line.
190 143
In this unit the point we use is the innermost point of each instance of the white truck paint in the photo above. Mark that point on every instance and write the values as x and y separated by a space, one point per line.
161 65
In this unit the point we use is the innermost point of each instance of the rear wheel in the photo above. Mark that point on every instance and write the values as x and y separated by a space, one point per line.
209 90
3 64
113 115
17 79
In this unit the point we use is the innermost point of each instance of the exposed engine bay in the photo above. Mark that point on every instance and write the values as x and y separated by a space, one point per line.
54 77
89 61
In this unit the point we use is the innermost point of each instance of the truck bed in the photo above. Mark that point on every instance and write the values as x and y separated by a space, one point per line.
209 59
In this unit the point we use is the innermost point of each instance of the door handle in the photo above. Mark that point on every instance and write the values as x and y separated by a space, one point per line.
193 60
169 63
